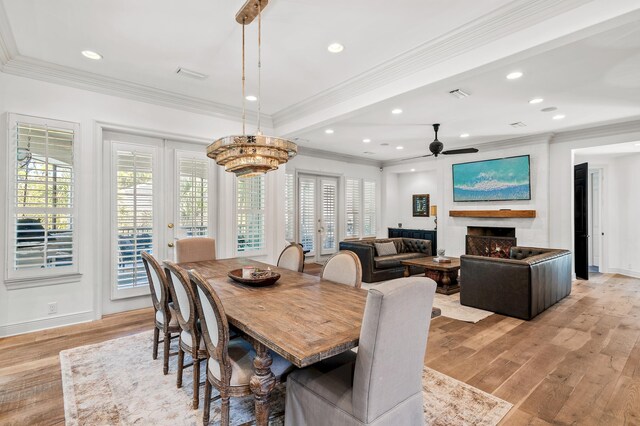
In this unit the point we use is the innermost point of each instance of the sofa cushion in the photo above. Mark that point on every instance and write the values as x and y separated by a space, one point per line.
386 249
414 245
393 261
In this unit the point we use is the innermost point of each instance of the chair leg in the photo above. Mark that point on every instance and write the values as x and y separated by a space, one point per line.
196 382
180 366
167 343
207 402
156 339
224 420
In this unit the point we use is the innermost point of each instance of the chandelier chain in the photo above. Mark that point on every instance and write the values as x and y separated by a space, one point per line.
259 62
244 112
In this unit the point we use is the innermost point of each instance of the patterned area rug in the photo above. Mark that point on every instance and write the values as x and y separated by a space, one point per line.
117 383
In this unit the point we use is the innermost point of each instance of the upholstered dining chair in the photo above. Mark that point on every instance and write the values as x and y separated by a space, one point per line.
230 363
292 258
191 341
195 249
382 383
343 267
166 319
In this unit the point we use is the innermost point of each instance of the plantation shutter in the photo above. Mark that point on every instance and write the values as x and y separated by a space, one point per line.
42 199
329 215
369 208
193 197
134 215
289 212
307 209
250 207
352 207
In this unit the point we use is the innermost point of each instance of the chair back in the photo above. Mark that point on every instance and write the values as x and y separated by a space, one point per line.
214 326
292 258
157 283
195 249
183 296
393 341
344 268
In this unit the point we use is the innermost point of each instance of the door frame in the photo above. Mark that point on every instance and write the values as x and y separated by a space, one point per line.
602 170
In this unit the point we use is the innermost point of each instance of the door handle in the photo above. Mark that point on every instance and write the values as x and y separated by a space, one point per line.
170 245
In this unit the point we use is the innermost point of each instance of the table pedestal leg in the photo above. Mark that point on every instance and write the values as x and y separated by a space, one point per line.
262 383
407 272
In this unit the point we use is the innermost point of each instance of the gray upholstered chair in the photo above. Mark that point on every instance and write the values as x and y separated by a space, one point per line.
292 258
343 268
195 249
230 363
166 319
191 340
382 383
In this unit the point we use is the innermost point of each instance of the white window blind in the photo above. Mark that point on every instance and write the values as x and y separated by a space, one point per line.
289 202
369 208
329 215
307 211
352 207
134 215
41 208
250 208
193 202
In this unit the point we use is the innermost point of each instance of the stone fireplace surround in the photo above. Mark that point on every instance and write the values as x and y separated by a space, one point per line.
490 241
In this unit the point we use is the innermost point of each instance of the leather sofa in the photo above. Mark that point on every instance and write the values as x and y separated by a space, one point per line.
380 268
526 284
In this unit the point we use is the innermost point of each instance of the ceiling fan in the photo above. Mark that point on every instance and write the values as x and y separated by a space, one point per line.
436 147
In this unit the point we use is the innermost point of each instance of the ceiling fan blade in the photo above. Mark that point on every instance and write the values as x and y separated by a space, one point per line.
460 151
414 158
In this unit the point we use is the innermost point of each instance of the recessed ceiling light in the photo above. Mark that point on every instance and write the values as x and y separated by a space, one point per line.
514 75
464 135
251 98
396 111
366 140
536 100
558 117
399 147
91 55
335 48
329 131
413 170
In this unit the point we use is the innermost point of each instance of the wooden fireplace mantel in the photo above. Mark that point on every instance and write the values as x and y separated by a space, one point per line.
527 214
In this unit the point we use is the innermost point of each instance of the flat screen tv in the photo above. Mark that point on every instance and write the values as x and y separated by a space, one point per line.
501 179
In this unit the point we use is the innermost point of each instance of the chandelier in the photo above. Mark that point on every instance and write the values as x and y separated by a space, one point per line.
251 155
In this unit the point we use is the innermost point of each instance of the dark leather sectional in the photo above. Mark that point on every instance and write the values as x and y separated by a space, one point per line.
380 268
526 284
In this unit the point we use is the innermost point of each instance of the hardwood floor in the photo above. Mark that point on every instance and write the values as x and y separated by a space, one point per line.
577 363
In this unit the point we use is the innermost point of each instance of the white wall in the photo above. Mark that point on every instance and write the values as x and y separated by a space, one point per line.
408 184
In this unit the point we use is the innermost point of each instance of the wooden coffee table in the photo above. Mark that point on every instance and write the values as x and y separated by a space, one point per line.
444 274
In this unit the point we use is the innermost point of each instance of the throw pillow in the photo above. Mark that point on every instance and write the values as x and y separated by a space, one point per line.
386 249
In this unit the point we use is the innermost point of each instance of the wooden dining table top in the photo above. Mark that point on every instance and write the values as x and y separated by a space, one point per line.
301 317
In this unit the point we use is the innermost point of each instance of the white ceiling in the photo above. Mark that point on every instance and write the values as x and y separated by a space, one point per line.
581 56
615 150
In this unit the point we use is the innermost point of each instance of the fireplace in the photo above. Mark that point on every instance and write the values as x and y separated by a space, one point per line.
490 241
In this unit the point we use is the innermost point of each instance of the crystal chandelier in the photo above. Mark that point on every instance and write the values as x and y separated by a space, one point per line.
251 155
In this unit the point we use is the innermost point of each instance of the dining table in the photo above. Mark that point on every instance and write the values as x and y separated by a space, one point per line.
301 317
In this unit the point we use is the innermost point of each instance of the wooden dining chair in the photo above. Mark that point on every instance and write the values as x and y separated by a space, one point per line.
195 249
230 363
344 268
292 258
166 319
191 341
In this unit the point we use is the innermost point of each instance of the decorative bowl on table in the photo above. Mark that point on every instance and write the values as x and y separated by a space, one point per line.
258 278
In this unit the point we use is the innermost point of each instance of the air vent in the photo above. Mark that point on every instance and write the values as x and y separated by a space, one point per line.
548 109
191 74
518 124
460 94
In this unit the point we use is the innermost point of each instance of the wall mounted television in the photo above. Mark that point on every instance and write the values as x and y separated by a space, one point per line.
500 179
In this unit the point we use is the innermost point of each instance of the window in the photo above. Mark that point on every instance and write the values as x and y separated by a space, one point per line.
134 215
42 212
369 208
289 210
352 208
250 210
193 197
307 211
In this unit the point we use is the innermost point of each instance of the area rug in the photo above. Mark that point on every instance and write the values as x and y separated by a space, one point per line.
117 383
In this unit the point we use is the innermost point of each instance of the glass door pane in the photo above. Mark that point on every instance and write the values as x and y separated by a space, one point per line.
307 209
329 215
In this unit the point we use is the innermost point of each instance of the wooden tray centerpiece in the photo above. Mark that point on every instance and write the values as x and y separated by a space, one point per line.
258 278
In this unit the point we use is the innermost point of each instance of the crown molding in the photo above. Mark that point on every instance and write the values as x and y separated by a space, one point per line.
8 48
328 155
492 26
601 131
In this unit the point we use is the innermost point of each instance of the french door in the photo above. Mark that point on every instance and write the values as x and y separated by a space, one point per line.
318 215
160 191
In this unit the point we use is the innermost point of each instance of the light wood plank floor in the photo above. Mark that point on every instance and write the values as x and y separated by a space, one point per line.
577 363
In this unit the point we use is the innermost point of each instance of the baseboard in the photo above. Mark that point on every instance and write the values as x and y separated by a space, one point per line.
627 272
45 323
